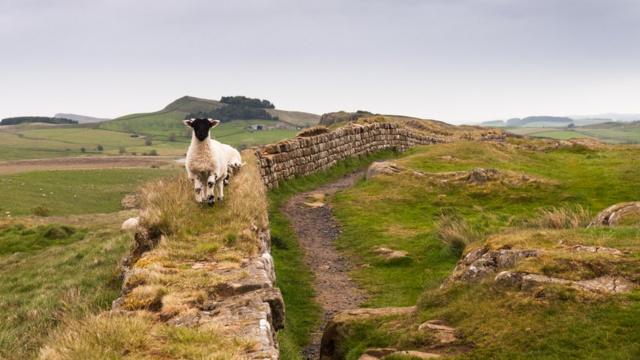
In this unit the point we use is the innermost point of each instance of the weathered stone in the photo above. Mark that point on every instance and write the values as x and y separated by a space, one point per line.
390 254
619 213
334 332
131 223
443 333
130 201
416 354
596 249
481 262
604 284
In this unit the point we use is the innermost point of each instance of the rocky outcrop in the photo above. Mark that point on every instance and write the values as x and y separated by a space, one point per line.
619 214
604 284
306 155
482 262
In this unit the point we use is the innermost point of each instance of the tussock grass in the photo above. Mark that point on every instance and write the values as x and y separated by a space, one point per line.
456 233
565 217
115 336
313 131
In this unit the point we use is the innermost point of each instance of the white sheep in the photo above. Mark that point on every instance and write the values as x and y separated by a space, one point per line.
234 161
206 161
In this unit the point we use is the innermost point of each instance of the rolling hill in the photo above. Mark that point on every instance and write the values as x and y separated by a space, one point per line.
81 119
168 120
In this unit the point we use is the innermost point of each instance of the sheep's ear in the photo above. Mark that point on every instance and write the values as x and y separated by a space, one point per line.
188 122
214 122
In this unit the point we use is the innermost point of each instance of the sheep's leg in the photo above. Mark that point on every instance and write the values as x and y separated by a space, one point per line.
211 191
220 185
189 174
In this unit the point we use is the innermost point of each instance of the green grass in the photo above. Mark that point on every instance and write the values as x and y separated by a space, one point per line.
72 191
32 142
168 134
615 135
293 276
164 123
50 274
401 212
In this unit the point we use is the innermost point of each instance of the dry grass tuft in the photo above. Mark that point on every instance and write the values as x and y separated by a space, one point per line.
561 218
456 233
313 131
114 336
145 297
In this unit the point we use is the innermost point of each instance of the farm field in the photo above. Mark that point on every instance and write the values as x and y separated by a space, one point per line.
34 142
610 133
73 191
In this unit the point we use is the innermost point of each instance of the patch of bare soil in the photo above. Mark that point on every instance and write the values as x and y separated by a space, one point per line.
316 229
88 162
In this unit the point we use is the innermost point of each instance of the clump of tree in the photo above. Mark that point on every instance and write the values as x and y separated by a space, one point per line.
36 119
238 108
249 102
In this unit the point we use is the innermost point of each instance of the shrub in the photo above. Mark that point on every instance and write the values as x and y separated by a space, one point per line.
148 141
172 137
122 150
99 147
83 150
456 233
561 218
41 210
153 152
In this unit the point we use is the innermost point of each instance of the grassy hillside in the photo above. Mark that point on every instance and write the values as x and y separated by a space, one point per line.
413 213
169 120
34 142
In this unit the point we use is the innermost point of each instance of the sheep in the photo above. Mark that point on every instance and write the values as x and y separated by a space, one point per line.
234 161
206 163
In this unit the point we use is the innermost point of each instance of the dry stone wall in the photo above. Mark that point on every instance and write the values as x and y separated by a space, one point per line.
305 155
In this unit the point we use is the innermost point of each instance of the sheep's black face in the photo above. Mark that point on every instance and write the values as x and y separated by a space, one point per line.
201 127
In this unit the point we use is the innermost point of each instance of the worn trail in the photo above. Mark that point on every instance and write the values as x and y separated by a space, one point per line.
316 229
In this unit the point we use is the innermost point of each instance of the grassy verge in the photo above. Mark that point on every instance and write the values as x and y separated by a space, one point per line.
293 277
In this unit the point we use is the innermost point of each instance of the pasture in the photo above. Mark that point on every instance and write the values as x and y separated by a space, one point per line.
125 137
614 134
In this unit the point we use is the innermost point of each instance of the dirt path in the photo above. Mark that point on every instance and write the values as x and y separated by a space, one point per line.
316 229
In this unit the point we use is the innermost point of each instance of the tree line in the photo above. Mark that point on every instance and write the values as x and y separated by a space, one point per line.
238 108
36 119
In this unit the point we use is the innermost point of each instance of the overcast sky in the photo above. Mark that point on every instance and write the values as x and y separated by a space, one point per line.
454 60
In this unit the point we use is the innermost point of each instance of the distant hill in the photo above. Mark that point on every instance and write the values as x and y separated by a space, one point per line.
169 118
81 119
609 116
37 119
540 121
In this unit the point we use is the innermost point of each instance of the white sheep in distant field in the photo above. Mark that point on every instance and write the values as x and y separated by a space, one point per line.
206 161
234 161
